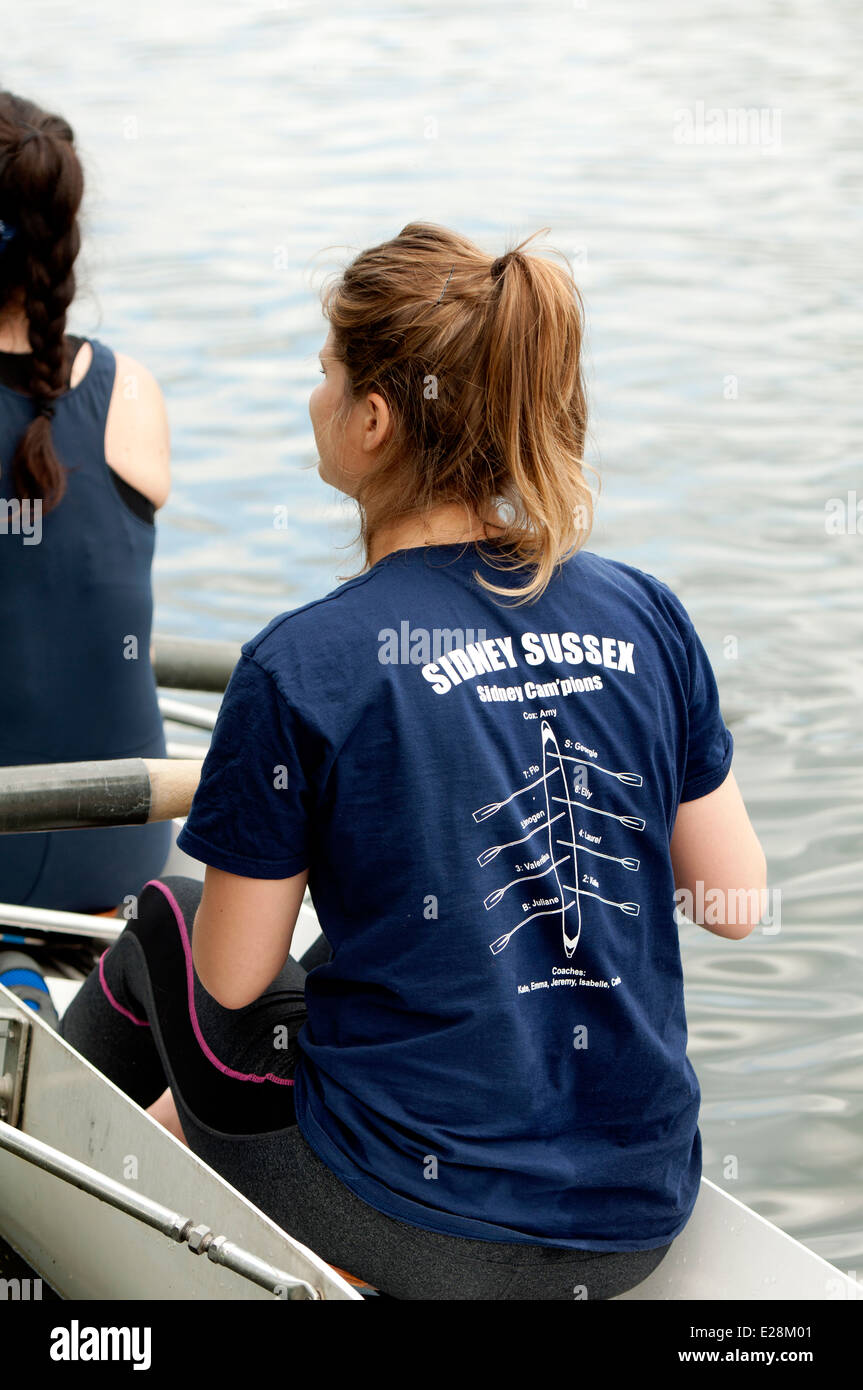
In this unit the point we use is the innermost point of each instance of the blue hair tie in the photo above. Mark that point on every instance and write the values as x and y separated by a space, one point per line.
7 232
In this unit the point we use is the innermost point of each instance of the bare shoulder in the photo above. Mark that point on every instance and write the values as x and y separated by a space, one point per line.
137 434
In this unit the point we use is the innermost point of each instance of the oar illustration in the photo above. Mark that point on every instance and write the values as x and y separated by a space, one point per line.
631 822
494 898
631 779
494 806
631 909
628 862
550 760
494 850
497 946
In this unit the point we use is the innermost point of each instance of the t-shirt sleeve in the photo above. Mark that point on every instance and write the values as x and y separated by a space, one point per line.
250 812
710 746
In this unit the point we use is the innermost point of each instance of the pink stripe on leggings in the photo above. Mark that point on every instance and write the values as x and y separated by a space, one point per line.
190 983
139 1022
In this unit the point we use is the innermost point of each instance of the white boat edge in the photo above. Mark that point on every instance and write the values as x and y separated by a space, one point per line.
85 1248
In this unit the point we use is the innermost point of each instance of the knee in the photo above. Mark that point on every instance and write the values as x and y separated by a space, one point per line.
171 901
176 891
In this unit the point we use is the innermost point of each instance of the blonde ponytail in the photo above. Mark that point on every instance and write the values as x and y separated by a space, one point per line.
479 361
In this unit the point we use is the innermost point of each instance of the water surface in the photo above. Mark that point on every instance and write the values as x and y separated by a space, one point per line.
230 147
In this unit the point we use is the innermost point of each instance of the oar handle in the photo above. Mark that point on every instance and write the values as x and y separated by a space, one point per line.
121 791
173 783
193 663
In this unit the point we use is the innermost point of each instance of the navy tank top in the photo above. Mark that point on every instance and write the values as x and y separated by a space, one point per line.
76 612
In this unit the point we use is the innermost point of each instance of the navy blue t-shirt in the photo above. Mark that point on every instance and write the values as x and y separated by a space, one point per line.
483 795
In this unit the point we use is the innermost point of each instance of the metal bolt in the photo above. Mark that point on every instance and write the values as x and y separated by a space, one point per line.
214 1247
200 1238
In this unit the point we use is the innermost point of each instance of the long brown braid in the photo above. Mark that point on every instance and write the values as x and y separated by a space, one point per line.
41 187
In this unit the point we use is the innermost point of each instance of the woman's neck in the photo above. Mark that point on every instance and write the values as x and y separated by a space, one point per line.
450 524
14 331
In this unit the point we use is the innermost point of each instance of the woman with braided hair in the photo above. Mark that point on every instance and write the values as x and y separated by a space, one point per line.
84 464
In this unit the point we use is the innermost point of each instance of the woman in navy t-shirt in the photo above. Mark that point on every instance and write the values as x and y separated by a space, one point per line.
493 756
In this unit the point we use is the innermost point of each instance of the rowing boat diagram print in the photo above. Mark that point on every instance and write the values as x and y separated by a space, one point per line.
565 838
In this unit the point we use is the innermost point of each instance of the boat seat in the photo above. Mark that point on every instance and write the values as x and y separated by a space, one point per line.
362 1286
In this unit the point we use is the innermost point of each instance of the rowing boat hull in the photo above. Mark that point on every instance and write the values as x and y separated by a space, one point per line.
727 1251
85 1248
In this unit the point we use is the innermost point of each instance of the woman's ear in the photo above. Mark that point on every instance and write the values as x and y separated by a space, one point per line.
377 423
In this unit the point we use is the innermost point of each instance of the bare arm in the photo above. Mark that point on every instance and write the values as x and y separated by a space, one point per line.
714 844
242 933
137 435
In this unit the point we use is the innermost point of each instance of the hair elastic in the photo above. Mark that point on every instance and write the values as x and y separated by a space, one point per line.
7 232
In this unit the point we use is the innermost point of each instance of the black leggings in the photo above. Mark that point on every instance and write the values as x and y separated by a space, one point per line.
143 1018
